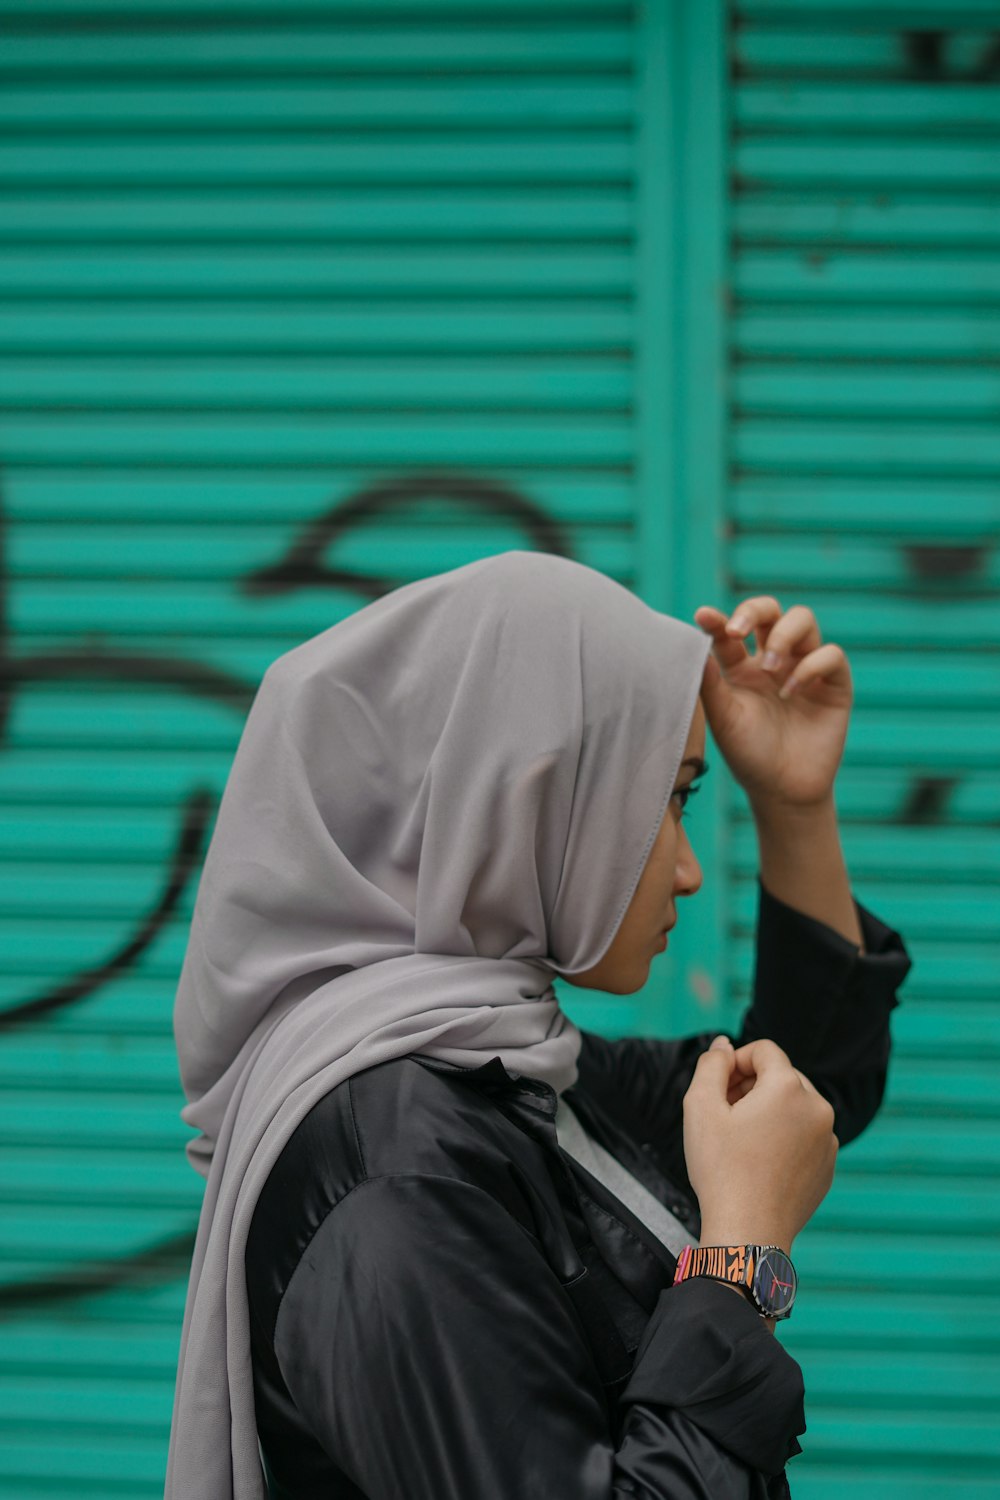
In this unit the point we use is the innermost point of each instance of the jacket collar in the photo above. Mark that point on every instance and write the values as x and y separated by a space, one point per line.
493 1078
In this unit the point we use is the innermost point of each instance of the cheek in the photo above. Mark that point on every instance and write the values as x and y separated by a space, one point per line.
658 879
667 865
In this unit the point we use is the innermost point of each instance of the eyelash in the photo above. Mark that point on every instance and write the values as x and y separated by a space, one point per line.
686 792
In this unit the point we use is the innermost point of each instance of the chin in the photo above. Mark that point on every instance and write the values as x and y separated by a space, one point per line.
617 984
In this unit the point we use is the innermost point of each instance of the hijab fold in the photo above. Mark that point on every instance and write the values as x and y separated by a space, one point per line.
435 806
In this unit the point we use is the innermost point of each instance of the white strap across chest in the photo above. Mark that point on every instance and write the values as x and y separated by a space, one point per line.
627 1189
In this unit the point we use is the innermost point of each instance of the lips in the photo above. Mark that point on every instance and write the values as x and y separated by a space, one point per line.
662 936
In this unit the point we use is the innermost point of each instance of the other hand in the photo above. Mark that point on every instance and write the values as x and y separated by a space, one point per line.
760 1167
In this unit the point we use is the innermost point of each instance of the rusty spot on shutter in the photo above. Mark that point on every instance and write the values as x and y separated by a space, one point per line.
927 59
946 560
927 799
924 54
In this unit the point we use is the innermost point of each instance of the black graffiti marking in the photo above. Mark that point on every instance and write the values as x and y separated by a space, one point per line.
924 53
927 61
94 662
927 799
168 1261
303 565
937 561
299 567
187 855
5 694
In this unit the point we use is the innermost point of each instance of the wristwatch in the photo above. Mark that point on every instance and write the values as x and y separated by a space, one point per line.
763 1273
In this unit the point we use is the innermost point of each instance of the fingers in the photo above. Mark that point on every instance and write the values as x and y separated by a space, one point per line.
727 643
758 614
828 664
727 652
712 1073
784 636
723 1072
793 635
789 645
738 1089
725 1075
754 1059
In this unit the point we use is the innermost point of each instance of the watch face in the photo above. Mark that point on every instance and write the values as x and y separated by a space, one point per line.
774 1282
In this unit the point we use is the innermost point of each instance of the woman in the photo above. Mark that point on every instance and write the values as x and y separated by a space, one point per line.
442 1225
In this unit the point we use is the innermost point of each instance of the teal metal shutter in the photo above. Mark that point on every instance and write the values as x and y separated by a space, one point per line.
293 308
865 458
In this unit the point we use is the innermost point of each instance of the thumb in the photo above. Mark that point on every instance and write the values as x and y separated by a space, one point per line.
713 1069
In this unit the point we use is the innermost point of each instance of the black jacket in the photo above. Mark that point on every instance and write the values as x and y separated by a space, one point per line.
445 1306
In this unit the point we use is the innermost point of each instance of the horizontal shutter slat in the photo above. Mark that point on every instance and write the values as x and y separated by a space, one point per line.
340 46
423 103
908 219
281 214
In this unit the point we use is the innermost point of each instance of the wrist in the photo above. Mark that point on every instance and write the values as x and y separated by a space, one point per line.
713 1234
771 810
802 864
727 1265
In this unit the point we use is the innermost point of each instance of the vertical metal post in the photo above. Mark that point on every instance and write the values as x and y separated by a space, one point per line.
681 307
656 298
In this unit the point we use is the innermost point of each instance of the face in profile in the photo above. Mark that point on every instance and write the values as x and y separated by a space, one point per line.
671 870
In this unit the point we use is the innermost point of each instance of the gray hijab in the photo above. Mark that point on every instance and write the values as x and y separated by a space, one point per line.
435 805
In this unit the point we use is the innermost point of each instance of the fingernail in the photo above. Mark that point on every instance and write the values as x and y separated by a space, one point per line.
771 659
738 622
719 1043
789 688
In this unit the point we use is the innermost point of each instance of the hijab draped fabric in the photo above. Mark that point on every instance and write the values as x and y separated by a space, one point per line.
434 807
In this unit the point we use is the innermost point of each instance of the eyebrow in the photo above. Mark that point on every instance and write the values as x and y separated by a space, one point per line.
700 766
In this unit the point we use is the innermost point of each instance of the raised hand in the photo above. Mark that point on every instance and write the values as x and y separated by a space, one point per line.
779 714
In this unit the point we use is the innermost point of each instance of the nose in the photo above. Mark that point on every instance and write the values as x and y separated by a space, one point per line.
687 875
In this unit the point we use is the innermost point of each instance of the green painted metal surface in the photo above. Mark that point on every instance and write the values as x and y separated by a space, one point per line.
294 307
865 457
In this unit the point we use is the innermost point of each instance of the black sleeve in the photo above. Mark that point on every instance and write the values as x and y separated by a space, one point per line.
828 1004
435 1354
815 994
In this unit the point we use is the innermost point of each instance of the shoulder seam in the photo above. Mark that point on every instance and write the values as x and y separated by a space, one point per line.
354 1124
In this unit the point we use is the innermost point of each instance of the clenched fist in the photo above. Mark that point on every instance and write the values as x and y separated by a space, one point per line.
759 1144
